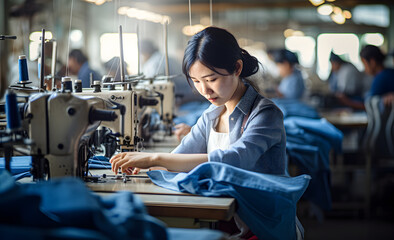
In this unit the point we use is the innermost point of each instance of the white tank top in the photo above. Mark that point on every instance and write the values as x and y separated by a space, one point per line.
217 140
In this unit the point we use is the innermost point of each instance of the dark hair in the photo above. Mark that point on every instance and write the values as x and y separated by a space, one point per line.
284 55
78 56
336 58
217 48
372 52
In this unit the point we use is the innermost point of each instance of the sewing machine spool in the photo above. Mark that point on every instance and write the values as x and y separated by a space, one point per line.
23 72
67 84
78 85
11 109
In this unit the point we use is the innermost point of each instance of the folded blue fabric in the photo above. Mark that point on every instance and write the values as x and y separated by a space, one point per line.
266 203
308 144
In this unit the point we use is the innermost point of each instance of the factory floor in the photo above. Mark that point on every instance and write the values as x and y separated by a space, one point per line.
348 229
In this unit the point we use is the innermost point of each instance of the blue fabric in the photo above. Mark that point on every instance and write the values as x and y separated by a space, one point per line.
292 86
293 107
309 142
66 209
19 164
266 203
84 75
68 203
382 83
261 147
99 162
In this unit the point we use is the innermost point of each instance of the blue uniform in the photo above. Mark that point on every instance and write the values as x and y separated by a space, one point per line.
261 147
84 75
292 86
382 83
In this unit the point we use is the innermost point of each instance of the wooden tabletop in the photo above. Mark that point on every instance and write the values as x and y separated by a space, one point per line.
162 202
346 118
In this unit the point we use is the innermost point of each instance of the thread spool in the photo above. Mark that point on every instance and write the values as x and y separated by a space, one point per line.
11 109
67 84
23 73
77 85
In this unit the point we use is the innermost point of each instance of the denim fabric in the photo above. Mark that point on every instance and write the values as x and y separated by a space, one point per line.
309 142
295 108
66 209
266 203
261 147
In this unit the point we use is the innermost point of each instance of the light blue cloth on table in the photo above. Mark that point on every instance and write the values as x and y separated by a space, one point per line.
309 142
295 108
65 208
266 203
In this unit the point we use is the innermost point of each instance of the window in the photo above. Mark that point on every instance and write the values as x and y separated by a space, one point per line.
346 45
304 46
109 48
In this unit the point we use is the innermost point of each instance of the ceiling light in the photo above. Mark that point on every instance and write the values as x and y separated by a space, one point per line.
325 9
338 18
347 14
316 2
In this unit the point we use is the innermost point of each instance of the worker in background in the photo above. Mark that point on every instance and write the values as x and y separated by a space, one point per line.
346 82
292 83
383 82
240 128
78 65
112 68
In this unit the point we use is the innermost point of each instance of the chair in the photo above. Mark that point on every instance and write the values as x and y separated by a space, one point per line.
378 141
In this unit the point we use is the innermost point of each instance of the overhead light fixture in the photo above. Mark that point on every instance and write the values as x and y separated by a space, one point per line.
143 15
193 29
338 18
316 2
325 9
347 14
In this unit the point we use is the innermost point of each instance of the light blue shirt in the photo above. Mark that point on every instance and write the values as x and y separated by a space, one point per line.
261 147
292 86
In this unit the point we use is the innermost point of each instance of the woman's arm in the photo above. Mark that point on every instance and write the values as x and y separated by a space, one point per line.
127 161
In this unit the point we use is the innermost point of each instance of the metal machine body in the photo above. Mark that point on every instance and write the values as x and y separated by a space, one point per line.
126 129
60 126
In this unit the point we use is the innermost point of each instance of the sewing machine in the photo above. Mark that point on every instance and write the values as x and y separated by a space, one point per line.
60 126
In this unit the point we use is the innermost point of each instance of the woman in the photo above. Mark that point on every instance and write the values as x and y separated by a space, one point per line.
240 128
292 84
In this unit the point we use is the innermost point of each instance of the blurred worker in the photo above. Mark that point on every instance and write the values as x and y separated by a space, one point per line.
383 82
292 84
78 65
154 64
112 68
346 82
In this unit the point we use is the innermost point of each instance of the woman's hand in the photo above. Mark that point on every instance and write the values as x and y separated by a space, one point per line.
132 162
181 130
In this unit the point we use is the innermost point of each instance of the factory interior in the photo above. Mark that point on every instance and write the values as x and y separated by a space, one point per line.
202 119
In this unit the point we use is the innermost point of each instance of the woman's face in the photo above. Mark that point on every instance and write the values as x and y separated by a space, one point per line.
218 89
285 69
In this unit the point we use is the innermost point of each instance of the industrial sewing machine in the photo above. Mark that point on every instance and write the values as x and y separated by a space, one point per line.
140 103
60 126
